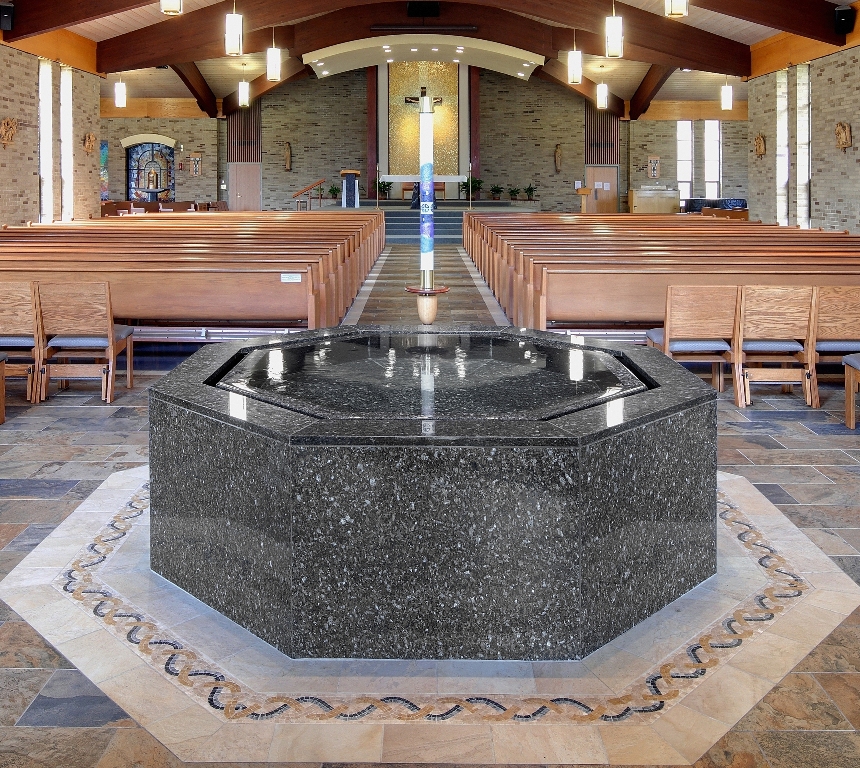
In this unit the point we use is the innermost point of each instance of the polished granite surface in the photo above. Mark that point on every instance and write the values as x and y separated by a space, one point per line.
431 375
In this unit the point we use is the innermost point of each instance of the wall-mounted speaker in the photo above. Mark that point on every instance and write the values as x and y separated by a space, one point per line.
845 18
6 10
422 10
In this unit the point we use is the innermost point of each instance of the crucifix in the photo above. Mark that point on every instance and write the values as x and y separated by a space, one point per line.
427 292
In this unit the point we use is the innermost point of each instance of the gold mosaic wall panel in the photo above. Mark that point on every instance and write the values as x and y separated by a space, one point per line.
405 79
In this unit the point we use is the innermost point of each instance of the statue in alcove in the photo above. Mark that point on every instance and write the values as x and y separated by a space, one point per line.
152 179
558 158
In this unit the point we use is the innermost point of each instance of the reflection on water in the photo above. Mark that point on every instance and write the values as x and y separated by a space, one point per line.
440 376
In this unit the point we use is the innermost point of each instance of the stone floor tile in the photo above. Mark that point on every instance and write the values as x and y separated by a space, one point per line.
830 541
53 747
35 489
132 747
22 647
18 688
29 538
840 652
9 531
776 474
792 749
849 564
799 457
734 750
420 742
822 515
776 494
844 689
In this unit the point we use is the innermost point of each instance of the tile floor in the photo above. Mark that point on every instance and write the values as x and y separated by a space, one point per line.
54 455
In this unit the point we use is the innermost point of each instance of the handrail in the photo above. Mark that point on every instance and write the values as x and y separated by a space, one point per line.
308 188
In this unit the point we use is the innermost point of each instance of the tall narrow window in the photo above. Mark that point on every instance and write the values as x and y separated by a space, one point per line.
804 146
685 159
67 149
782 154
713 159
46 141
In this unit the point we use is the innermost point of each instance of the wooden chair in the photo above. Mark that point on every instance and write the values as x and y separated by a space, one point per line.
19 333
77 323
2 387
700 326
777 326
852 379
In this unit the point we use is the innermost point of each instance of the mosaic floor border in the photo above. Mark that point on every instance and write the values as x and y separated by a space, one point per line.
722 647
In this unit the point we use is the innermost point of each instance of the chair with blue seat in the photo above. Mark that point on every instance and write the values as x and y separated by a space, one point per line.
700 324
777 328
852 379
837 323
77 324
19 333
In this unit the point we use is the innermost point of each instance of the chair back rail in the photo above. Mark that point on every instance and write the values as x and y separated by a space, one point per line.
18 315
838 313
776 312
75 309
701 311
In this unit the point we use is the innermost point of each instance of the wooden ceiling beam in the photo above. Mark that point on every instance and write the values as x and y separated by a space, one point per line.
814 19
35 17
648 37
291 70
648 89
196 83
556 72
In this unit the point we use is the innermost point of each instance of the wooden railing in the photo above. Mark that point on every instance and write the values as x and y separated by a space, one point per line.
309 190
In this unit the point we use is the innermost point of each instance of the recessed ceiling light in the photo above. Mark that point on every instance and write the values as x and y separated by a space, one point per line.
321 64
524 64
434 49
325 71
413 49
686 70
456 61
389 61
520 74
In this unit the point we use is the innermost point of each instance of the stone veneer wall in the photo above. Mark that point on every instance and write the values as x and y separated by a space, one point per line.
19 161
194 134
835 175
650 138
85 108
521 122
325 122
736 143
762 170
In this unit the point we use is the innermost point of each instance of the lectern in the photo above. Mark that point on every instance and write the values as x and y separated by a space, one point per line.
349 188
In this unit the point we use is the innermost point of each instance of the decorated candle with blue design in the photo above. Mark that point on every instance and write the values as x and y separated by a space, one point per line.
425 161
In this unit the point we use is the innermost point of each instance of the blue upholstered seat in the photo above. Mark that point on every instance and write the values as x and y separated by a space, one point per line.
773 345
852 360
25 342
120 332
833 345
655 335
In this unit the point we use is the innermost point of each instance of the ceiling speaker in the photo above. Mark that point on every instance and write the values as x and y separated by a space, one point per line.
422 10
6 10
845 18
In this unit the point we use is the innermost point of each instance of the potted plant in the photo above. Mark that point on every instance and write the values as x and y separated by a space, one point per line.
334 191
496 191
383 188
530 191
514 192
474 187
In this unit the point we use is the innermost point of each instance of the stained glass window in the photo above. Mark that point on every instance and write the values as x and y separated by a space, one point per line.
150 173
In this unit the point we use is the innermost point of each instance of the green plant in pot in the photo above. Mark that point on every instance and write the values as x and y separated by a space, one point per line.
334 191
514 192
474 185
383 188
496 191
530 191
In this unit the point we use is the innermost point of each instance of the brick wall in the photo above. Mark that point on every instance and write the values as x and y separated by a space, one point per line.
85 108
835 175
736 152
520 125
762 170
325 122
194 134
19 162
653 138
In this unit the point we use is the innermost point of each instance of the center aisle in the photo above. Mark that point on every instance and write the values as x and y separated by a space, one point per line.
469 301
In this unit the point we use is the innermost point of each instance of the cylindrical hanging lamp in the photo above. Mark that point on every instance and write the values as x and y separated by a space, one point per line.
244 90
574 64
233 33
171 7
676 9
727 97
119 94
602 96
273 62
614 36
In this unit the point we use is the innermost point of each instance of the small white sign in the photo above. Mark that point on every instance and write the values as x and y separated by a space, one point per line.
428 428
291 277
577 185
426 209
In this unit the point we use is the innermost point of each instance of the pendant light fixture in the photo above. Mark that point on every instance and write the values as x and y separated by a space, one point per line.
233 33
727 96
603 96
676 9
273 62
244 90
119 94
614 36
171 7
574 64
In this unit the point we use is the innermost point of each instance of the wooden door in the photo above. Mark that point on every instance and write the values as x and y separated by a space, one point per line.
245 186
603 199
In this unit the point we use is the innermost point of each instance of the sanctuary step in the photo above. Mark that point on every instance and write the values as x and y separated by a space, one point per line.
402 227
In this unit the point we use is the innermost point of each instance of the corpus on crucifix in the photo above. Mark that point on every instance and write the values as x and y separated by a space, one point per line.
428 294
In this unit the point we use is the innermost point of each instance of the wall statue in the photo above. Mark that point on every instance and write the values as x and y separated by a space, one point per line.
288 157
558 158
89 143
8 129
843 136
760 146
